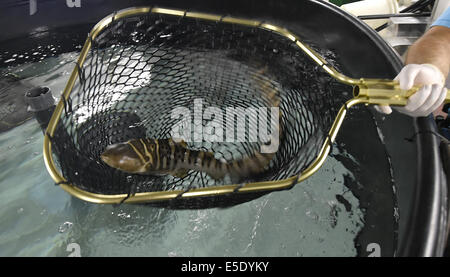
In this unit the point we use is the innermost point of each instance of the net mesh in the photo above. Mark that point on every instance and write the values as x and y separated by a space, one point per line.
141 68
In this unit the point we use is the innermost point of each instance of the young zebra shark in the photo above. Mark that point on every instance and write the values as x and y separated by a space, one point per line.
166 156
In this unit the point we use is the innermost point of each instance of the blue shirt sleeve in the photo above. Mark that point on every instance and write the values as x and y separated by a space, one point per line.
443 20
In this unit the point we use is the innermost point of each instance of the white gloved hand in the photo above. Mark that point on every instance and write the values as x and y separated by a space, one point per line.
428 98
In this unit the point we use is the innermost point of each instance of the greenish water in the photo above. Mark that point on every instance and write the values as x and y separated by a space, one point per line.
40 219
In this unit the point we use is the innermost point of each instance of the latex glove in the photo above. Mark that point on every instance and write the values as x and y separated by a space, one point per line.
428 98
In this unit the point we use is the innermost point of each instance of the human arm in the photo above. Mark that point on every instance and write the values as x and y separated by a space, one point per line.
427 64
432 48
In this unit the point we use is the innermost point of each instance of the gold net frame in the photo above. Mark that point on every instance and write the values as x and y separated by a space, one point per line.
365 91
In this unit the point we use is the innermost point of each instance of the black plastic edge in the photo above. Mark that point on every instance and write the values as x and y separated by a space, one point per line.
428 223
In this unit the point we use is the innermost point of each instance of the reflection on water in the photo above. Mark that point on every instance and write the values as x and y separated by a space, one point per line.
319 217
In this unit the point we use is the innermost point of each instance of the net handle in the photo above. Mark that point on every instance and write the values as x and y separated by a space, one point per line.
385 92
